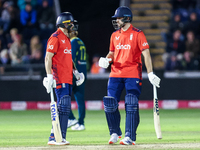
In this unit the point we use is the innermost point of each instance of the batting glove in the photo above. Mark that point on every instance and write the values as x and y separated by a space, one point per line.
79 76
155 80
104 62
48 82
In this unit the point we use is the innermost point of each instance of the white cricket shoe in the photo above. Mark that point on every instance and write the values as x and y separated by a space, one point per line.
127 141
113 139
51 141
78 127
64 142
71 122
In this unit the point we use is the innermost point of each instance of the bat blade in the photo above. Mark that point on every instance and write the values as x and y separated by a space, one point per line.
156 115
55 119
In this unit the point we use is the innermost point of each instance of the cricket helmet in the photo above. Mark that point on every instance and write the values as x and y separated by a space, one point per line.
123 12
65 18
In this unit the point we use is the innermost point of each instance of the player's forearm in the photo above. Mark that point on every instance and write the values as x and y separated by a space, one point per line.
48 64
147 60
148 65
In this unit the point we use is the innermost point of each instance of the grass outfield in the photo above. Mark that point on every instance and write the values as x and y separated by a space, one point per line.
32 128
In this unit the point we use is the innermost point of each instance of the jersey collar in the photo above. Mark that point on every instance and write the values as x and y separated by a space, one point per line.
129 29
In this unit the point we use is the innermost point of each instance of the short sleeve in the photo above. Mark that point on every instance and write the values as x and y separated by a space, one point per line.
52 45
142 41
112 47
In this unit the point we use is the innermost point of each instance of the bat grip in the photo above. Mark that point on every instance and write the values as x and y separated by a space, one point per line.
154 92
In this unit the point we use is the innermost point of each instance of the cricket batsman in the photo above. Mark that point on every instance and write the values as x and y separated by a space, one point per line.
59 67
126 46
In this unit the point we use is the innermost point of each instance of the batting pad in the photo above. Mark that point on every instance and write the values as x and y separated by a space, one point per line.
132 116
64 108
112 114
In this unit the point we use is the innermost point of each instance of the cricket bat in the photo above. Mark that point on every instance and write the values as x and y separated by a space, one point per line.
156 114
55 119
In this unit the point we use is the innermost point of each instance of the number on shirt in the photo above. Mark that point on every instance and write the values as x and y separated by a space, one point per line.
83 52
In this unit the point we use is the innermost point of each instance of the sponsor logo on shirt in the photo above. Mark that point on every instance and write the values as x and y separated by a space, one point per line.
50 47
63 41
145 43
117 37
119 46
67 51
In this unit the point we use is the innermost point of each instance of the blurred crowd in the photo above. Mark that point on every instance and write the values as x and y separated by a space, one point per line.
25 26
183 37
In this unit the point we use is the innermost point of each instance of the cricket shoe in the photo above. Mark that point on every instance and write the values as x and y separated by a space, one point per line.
51 141
127 141
113 139
64 142
78 127
71 122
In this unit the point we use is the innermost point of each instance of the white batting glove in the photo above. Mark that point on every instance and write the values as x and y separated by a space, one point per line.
79 76
155 80
104 62
48 82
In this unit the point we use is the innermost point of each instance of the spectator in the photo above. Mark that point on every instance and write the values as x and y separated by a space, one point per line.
191 55
95 69
14 16
174 52
46 19
22 3
35 44
176 23
176 43
2 40
4 60
173 63
36 56
193 24
46 16
5 17
28 18
12 36
18 51
51 2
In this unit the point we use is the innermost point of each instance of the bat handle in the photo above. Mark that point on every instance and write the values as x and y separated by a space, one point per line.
52 96
154 92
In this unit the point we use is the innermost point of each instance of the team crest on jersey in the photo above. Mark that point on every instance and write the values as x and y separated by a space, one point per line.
63 41
50 47
67 51
117 37
145 44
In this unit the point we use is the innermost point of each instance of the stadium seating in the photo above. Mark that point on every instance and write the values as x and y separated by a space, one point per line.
152 17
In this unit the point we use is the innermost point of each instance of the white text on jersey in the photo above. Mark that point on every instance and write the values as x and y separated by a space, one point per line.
144 44
50 47
119 46
67 51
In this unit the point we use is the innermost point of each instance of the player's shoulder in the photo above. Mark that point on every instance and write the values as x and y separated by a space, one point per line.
76 40
116 32
56 34
134 29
